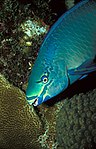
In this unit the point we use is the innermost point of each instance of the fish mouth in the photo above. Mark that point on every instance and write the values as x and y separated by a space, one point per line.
35 102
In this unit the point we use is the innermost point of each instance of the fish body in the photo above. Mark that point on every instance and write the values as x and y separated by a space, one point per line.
68 53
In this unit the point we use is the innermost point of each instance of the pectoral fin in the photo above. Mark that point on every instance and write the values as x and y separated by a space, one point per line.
85 68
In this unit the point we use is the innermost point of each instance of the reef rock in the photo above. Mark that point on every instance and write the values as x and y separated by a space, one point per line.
20 126
76 122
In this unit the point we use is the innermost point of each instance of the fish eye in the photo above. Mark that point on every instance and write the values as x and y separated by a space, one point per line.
44 79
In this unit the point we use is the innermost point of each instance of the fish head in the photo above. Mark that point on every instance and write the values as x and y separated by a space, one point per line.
36 84
45 82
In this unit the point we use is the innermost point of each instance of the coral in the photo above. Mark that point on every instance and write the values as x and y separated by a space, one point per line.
17 48
14 62
42 10
69 3
48 117
20 127
76 122
32 28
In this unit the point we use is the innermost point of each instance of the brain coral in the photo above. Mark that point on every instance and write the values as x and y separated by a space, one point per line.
20 127
76 122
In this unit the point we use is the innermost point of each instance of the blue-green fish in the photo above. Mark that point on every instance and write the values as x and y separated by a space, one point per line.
67 54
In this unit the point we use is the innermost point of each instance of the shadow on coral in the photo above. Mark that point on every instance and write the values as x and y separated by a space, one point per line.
81 86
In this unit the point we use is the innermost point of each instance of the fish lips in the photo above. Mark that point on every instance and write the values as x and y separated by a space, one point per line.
35 100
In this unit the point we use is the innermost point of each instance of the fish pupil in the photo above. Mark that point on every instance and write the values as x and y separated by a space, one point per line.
44 79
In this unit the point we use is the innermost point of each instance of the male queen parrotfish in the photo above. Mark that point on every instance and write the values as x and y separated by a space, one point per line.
67 54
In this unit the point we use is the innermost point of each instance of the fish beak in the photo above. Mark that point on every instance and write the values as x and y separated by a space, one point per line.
35 102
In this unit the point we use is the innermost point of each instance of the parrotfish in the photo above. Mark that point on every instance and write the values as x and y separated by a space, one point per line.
67 54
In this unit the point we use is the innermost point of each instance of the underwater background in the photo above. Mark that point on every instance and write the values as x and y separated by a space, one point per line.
68 121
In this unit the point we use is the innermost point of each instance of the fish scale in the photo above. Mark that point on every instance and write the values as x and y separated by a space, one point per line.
67 54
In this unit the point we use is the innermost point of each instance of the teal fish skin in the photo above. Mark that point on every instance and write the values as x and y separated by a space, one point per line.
68 53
